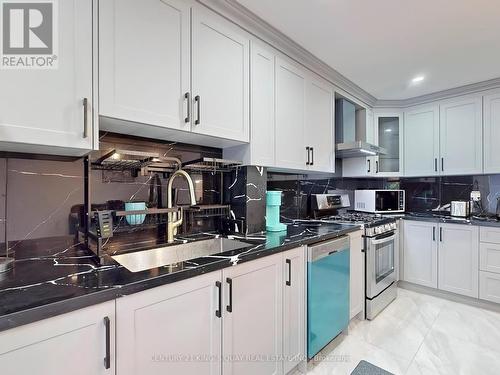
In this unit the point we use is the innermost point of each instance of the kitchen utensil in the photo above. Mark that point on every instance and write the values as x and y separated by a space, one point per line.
155 192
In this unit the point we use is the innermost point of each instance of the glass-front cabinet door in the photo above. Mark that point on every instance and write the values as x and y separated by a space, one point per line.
389 135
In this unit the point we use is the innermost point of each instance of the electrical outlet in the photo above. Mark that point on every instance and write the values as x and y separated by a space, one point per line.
475 196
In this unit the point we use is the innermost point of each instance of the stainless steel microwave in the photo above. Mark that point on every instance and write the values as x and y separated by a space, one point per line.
379 201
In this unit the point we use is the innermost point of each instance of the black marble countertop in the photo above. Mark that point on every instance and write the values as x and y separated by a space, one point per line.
56 275
485 222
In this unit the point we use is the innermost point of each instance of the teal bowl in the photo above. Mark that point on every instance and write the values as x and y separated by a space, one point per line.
135 206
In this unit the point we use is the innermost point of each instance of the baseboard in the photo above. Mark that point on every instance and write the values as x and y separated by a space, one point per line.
450 296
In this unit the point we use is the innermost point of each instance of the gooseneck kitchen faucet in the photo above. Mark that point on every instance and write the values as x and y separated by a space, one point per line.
173 222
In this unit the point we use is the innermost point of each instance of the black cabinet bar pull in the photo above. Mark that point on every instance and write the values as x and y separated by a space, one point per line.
229 307
107 359
187 96
441 234
197 99
218 312
312 156
369 165
435 164
289 262
434 234
85 117
442 164
308 162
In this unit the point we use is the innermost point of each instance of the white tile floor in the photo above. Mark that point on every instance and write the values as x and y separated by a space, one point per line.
420 334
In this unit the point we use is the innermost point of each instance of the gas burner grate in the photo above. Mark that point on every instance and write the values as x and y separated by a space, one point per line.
355 218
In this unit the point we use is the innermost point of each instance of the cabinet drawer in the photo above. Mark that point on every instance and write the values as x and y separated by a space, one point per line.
489 257
491 235
489 286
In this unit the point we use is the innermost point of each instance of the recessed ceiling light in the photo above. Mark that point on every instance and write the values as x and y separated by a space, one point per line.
417 79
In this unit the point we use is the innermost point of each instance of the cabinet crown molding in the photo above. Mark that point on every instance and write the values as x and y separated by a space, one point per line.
237 13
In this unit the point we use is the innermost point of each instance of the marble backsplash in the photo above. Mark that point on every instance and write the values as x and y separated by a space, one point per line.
422 194
44 198
245 190
297 190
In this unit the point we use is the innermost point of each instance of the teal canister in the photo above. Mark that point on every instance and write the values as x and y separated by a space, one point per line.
273 203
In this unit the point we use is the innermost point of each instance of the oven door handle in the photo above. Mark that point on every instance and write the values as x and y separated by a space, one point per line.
382 240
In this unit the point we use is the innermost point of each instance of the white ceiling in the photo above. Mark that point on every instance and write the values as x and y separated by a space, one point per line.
382 44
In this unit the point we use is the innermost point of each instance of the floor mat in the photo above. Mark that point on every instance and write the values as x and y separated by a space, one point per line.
366 368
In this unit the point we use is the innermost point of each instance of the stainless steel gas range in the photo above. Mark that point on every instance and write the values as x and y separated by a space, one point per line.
381 247
381 241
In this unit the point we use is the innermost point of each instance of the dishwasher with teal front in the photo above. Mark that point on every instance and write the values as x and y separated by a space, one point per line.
327 292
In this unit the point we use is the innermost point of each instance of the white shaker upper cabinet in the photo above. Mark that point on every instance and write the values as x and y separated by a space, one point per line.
318 128
262 100
290 116
491 132
369 126
220 77
144 61
421 141
50 111
461 136
363 166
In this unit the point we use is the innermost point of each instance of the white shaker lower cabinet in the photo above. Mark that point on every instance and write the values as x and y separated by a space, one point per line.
357 272
294 311
50 111
459 259
489 264
489 256
420 254
252 317
171 329
489 286
72 343
230 321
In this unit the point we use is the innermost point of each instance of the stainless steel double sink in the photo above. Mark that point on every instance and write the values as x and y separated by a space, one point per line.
167 255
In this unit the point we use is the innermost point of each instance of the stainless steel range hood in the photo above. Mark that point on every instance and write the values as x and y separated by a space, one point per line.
351 143
357 149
